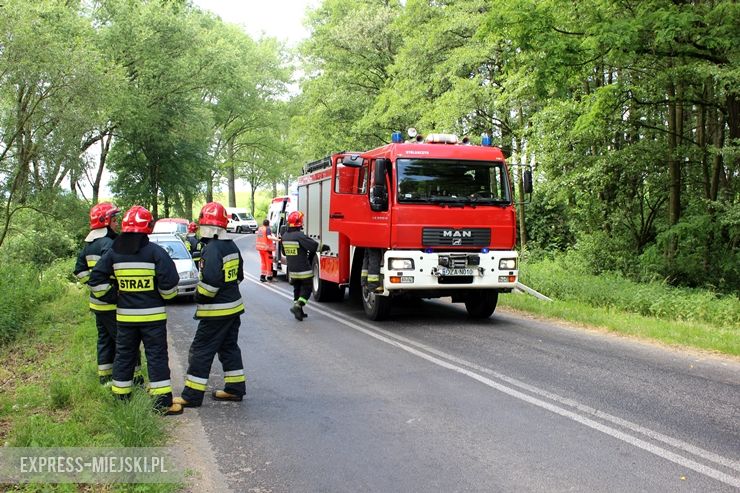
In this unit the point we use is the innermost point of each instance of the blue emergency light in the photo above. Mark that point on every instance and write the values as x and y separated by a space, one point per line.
485 140
484 250
396 137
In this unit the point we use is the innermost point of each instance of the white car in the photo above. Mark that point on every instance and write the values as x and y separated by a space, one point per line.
240 221
176 249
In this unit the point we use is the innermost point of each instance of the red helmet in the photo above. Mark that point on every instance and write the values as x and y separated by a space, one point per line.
101 214
295 219
137 220
213 214
192 228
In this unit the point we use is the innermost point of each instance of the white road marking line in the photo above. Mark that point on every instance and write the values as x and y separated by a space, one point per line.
404 344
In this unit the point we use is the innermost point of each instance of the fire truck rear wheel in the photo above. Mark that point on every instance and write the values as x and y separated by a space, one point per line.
481 303
324 290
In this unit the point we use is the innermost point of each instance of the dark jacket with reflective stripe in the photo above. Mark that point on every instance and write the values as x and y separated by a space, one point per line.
145 275
299 252
86 260
221 271
194 246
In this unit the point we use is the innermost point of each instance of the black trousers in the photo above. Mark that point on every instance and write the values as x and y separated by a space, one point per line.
302 289
105 321
154 337
214 337
107 326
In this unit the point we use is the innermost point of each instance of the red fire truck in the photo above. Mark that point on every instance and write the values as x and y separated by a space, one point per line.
441 212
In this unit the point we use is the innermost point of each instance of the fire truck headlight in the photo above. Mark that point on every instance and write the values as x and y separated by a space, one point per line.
401 264
507 264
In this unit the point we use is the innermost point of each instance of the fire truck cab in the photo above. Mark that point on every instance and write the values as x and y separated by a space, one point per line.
440 211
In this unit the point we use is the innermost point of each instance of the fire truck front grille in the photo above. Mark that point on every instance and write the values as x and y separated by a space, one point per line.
470 237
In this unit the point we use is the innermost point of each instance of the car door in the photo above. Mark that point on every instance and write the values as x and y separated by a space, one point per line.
350 212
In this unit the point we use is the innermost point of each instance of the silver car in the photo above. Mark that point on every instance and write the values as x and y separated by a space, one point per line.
175 247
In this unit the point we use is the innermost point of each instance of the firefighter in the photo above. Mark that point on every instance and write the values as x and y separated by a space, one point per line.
265 244
370 275
299 251
218 311
192 242
97 242
145 276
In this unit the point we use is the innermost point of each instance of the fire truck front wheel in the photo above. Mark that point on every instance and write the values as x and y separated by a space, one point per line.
481 303
324 290
376 307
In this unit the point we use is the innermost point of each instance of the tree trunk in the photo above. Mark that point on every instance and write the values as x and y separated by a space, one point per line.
674 169
189 206
231 172
105 143
209 188
154 189
166 204
520 185
252 191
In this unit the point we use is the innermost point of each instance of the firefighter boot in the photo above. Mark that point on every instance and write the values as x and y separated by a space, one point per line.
106 380
182 402
174 409
297 312
262 278
222 395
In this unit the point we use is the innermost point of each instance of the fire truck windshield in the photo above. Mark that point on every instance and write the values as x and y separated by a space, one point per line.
451 181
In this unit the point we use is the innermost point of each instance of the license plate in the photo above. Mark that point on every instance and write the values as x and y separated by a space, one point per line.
456 272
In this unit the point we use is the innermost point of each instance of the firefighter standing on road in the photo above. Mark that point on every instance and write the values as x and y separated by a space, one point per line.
97 242
300 251
146 276
219 309
370 275
191 241
265 244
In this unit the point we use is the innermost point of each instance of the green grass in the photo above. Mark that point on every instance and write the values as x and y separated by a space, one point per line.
681 317
53 398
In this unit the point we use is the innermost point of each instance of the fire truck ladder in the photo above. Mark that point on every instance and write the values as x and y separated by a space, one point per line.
317 165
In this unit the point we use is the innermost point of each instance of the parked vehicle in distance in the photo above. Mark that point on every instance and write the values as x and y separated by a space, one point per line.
240 221
172 225
175 247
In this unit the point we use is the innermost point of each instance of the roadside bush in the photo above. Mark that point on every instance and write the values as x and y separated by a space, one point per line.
25 288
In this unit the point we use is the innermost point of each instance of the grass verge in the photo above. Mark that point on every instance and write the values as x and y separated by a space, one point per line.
50 395
722 339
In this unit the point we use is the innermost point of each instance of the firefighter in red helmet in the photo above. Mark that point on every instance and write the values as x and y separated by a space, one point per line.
98 241
145 276
299 251
192 242
218 310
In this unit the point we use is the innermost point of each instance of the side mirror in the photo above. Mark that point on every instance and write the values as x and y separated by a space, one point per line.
378 198
378 192
527 181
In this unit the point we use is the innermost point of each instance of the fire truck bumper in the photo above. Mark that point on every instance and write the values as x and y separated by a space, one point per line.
417 270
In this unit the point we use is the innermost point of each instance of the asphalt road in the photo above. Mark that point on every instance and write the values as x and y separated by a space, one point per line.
431 401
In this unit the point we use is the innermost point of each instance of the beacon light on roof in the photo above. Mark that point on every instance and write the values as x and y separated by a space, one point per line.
396 137
485 140
441 139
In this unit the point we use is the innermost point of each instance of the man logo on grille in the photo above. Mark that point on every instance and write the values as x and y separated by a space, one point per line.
456 241
457 234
